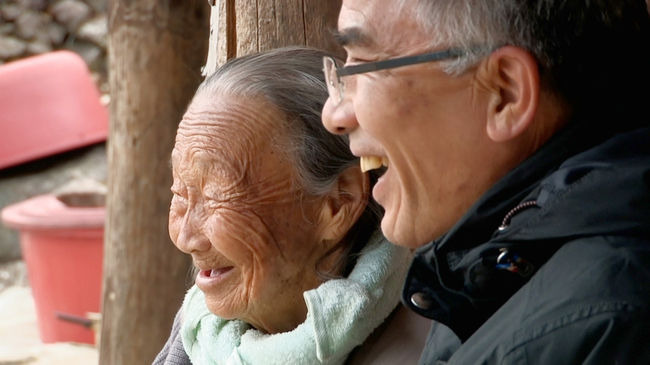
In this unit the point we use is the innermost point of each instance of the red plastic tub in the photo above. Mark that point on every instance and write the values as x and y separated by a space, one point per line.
62 246
48 104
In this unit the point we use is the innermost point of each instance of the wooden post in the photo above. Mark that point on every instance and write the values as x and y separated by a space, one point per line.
248 26
156 50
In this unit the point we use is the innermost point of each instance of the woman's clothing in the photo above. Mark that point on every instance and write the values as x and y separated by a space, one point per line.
342 313
173 352
398 341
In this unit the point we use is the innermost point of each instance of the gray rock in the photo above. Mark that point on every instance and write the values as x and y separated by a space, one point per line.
7 28
13 273
98 5
11 47
33 4
9 11
37 47
55 33
30 23
70 13
94 30
90 52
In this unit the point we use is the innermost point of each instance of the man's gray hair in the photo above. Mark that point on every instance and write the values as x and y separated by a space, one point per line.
589 51
292 80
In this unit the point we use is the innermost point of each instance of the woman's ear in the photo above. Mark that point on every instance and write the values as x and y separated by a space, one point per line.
344 205
512 77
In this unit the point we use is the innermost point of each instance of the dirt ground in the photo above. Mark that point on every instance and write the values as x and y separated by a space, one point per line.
19 339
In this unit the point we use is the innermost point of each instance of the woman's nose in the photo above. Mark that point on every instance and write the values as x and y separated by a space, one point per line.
191 238
339 119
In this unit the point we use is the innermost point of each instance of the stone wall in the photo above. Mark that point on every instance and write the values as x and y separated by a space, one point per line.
30 27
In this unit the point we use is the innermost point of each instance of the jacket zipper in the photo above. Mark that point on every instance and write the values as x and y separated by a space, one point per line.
521 206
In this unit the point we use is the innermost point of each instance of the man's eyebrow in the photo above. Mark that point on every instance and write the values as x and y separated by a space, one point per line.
353 36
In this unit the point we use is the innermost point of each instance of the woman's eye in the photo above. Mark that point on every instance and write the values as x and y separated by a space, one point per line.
178 202
177 191
212 204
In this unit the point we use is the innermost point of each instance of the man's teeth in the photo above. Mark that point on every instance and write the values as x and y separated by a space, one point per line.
372 162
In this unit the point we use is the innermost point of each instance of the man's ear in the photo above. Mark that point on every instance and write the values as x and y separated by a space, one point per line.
344 205
512 77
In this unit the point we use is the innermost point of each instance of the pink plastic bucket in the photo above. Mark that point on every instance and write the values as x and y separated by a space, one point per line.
62 246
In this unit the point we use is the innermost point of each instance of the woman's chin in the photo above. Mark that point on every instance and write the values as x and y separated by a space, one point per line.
223 310
218 287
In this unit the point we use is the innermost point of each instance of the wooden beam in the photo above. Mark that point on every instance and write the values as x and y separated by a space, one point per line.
320 20
280 23
249 26
156 50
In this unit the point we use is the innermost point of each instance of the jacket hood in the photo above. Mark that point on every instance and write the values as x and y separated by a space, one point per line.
575 186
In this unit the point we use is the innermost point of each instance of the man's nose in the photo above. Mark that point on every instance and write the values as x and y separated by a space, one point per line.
191 237
339 119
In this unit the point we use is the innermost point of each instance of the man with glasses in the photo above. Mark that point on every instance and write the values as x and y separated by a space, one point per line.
516 151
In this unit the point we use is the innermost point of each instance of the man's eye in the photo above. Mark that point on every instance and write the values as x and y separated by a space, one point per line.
357 60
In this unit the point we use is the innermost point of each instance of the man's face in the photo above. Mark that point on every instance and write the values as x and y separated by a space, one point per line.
428 126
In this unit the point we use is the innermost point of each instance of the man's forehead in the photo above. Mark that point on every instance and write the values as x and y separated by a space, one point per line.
356 24
372 24
353 36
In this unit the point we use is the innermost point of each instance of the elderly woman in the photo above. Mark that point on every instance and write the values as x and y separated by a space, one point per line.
275 214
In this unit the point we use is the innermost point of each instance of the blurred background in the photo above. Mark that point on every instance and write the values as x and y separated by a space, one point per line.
30 28
91 93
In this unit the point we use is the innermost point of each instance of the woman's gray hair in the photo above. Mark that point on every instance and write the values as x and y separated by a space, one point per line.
292 80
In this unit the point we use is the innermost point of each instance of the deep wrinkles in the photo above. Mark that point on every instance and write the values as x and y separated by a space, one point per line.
220 166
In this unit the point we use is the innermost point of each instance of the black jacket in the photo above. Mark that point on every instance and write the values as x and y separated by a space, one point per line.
551 266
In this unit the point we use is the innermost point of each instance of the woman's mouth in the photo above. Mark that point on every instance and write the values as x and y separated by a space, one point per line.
207 279
214 273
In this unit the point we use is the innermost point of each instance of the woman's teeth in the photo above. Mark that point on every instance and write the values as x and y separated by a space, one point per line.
215 272
372 162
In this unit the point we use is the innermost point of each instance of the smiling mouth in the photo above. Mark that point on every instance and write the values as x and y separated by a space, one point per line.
369 163
213 273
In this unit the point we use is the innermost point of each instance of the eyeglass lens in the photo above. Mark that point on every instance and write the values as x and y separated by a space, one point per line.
332 80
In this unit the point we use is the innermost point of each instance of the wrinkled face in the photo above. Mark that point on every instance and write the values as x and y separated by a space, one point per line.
424 124
237 210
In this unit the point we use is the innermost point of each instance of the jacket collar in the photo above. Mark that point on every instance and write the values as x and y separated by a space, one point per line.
455 280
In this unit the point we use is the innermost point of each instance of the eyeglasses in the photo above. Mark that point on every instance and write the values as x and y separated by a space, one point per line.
334 72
